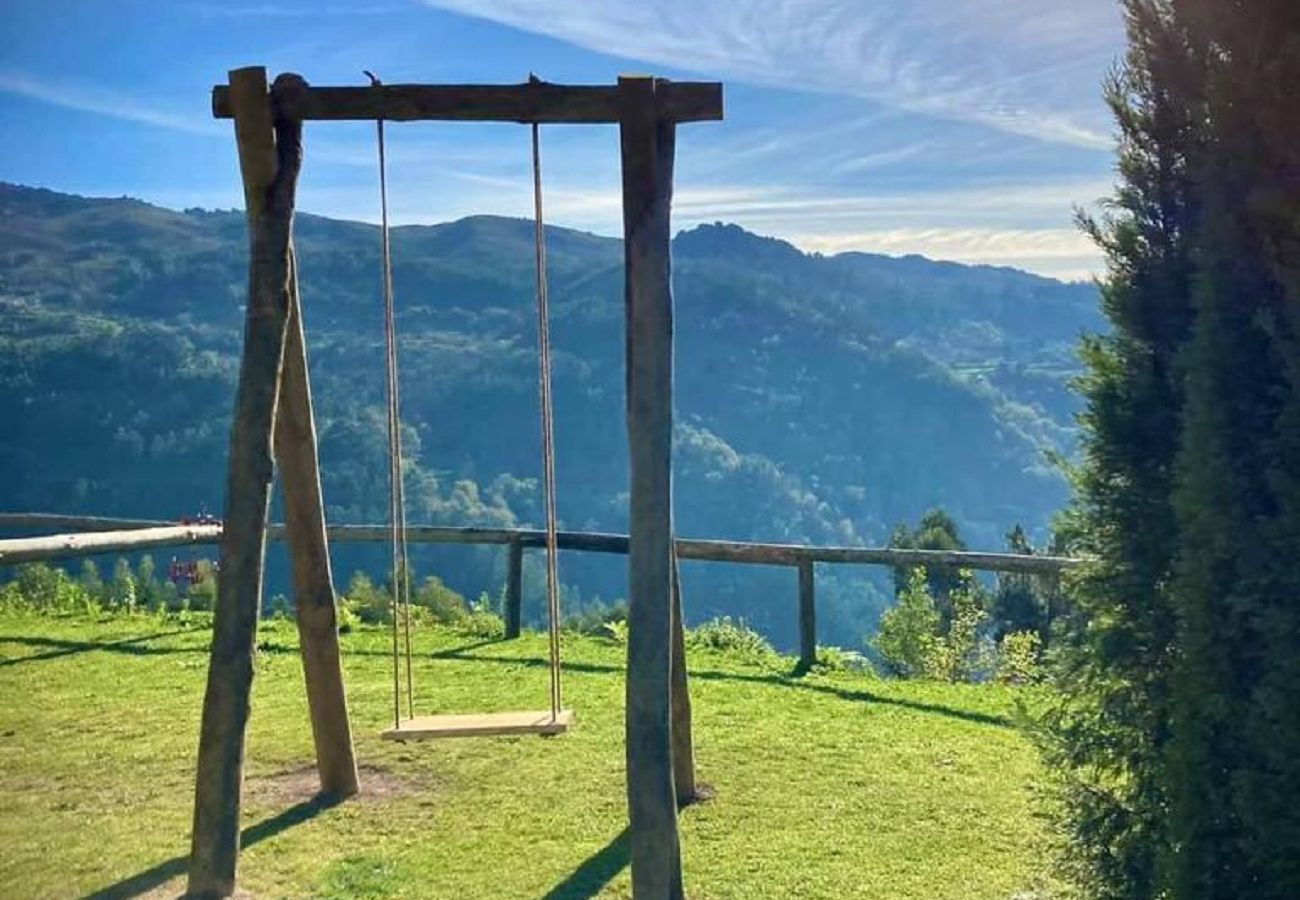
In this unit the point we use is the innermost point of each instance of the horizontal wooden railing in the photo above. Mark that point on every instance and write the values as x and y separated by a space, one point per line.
94 535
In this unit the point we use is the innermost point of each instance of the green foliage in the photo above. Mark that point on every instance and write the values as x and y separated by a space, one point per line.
596 617
1019 656
122 592
963 368
433 601
1173 739
364 602
909 630
46 589
1023 602
937 530
201 596
956 652
732 636
837 659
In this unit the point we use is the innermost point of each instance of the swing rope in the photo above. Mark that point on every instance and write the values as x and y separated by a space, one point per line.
548 426
401 598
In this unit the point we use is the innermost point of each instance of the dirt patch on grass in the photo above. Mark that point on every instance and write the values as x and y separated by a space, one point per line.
301 784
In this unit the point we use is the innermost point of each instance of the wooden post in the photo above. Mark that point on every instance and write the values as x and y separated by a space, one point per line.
807 615
214 849
647 142
683 741
514 588
313 581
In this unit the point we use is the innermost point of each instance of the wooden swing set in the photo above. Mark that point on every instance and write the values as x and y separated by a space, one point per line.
274 425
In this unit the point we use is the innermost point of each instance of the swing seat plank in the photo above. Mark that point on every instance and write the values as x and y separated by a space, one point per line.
424 728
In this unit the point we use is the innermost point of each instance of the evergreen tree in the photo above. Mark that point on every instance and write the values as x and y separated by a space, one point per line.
1176 736
1107 737
937 530
1233 772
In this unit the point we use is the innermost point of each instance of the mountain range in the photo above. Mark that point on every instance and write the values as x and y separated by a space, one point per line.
818 398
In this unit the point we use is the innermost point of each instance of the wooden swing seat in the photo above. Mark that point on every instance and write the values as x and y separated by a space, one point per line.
425 728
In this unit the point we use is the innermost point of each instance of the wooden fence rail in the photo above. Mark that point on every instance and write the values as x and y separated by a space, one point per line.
107 535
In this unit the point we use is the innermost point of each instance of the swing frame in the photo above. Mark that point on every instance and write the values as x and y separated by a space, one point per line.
273 424
557 720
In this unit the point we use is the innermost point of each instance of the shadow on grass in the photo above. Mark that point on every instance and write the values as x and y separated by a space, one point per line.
596 871
792 681
149 879
131 646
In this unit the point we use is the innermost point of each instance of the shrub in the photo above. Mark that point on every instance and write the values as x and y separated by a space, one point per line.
46 589
1018 657
907 637
732 636
956 656
837 659
438 603
595 617
365 602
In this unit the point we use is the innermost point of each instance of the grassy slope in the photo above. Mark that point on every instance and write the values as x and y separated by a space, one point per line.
830 786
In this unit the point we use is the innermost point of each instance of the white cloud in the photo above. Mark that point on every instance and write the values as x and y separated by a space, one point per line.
1058 252
105 102
1027 67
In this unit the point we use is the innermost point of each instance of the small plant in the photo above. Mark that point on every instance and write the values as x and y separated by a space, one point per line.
482 621
1018 657
907 637
732 636
956 656
614 630
837 659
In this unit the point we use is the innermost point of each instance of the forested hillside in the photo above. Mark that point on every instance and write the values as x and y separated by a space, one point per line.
819 398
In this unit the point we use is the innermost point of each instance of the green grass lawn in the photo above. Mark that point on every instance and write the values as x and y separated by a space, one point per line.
832 785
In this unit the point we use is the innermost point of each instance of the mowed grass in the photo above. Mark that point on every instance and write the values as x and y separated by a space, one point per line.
831 785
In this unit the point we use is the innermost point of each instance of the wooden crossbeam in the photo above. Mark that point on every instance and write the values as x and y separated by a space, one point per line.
684 101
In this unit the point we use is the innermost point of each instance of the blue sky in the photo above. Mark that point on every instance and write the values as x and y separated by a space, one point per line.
958 129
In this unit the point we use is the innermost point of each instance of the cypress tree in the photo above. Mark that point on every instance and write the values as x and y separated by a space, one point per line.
1107 737
1233 769
1177 733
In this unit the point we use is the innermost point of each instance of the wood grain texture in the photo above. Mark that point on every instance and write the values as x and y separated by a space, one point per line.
807 615
527 102
315 600
746 552
683 733
214 851
67 546
513 612
647 143
424 728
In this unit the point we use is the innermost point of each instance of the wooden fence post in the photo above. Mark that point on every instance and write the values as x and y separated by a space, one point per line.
214 849
683 739
647 142
514 588
807 615
313 581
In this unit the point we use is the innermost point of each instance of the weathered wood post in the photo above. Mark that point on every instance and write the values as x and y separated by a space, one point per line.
683 740
647 141
807 614
313 581
514 588
218 786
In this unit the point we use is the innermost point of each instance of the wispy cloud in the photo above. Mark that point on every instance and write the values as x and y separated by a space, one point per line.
1026 67
1058 252
105 102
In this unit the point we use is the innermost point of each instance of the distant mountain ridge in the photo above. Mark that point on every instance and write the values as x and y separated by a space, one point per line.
819 398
